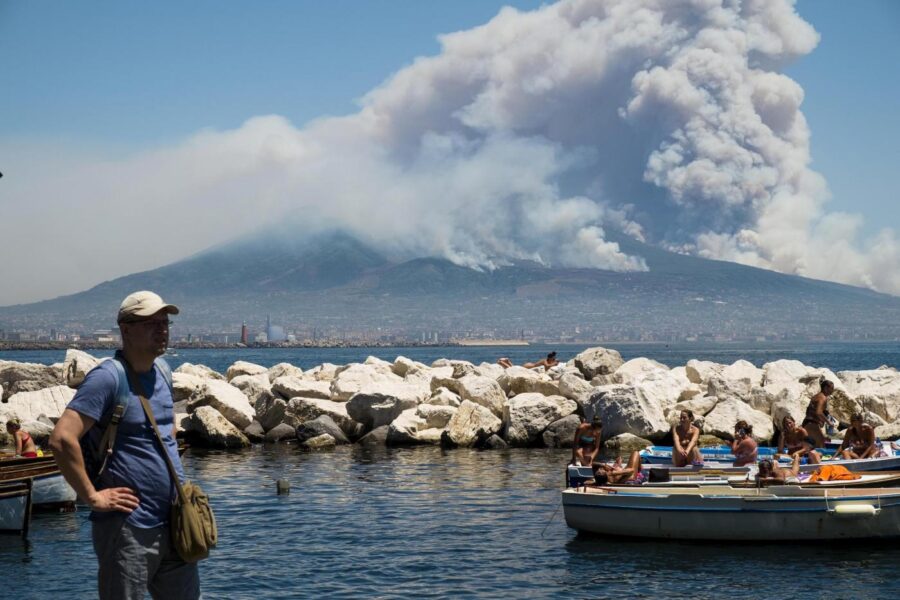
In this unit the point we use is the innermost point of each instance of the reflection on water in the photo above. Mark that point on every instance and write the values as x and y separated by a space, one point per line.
429 523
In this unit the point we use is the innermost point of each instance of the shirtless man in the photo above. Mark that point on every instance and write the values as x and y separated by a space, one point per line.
816 414
684 438
859 440
795 440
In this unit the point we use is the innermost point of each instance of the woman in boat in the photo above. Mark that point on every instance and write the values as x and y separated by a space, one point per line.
795 440
770 473
586 445
859 440
25 446
744 446
616 473
685 436
817 414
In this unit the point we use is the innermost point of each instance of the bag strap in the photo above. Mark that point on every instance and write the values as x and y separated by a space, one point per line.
105 448
136 383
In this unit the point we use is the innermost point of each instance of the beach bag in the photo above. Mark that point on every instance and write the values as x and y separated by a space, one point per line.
193 525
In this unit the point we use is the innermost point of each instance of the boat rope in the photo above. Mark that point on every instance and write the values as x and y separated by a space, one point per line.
552 517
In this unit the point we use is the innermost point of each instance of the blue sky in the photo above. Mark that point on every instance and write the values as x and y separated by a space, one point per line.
132 77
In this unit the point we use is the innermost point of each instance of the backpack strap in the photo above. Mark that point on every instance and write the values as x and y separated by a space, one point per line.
166 371
105 448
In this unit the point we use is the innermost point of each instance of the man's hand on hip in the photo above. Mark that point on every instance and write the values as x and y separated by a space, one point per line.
111 499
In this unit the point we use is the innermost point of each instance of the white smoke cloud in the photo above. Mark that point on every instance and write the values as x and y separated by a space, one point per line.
525 138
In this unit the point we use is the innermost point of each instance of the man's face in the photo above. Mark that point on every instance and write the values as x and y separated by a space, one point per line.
149 335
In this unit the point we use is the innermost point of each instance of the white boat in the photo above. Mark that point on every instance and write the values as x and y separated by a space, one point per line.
15 508
662 456
50 490
788 512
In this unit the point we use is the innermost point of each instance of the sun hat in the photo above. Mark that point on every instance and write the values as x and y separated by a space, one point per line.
140 305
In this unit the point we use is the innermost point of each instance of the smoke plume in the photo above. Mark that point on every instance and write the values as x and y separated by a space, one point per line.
529 137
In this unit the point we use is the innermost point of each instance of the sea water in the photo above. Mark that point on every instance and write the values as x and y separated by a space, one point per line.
431 523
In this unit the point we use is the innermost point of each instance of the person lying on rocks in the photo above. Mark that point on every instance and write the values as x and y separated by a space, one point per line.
859 440
743 447
794 440
631 473
685 436
548 362
586 445
770 473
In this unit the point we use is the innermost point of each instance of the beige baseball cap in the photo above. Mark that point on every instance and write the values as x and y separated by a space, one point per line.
141 305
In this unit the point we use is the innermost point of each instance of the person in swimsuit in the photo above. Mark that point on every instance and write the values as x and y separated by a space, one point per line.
744 446
859 440
795 440
547 363
770 473
817 414
684 441
586 445
24 444
616 473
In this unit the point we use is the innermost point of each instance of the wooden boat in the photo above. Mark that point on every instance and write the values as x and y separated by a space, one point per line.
15 461
15 507
790 513
50 490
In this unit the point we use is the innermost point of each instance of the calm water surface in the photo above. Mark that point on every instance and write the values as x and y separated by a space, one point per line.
428 523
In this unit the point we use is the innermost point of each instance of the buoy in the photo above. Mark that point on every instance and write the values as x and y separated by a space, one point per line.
283 486
855 510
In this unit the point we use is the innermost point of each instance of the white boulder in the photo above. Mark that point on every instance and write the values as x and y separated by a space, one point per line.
444 397
201 371
375 410
282 369
290 386
215 430
877 390
597 361
18 377
483 391
472 423
228 400
626 409
527 415
76 365
720 421
243 367
29 406
301 410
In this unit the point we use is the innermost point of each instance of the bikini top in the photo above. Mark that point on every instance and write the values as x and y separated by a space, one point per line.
587 439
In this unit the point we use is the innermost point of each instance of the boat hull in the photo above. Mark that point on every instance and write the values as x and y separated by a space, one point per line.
15 508
727 514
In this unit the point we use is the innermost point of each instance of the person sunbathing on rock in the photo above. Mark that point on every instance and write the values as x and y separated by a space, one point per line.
859 440
616 473
770 473
743 447
795 440
547 363
685 436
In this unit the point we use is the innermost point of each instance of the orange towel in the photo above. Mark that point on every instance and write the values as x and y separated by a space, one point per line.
832 473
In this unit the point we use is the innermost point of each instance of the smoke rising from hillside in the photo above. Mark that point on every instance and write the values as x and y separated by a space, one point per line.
528 137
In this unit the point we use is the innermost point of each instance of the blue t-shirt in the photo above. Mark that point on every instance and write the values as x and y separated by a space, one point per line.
136 460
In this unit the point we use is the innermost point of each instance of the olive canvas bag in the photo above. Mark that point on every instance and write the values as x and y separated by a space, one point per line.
192 522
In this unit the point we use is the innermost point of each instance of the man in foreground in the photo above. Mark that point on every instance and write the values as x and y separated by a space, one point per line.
132 497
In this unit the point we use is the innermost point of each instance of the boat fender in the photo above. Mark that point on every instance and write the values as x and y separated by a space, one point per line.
855 510
283 486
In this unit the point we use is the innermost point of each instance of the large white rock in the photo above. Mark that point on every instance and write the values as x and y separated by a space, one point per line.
471 424
700 371
282 369
492 370
403 366
29 406
444 397
720 421
289 386
76 365
302 410
323 372
255 387
626 409
661 386
410 428
483 391
518 380
436 416
742 369
877 390
271 412
201 371
375 410
638 369
527 415
598 361
561 433
18 377
215 430
574 387
243 367
229 401
890 431
368 379
699 407
186 385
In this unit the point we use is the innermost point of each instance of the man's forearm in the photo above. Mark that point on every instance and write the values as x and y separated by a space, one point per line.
68 457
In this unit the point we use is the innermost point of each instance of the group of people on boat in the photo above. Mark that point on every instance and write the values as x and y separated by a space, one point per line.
801 443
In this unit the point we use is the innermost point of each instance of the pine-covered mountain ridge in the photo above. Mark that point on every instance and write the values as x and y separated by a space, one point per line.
334 282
